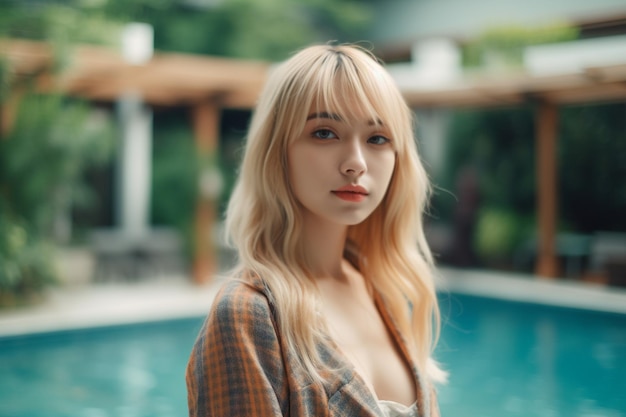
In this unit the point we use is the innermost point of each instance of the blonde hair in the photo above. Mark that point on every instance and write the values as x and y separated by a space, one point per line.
264 223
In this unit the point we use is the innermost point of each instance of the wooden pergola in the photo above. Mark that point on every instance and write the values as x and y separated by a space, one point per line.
547 93
208 85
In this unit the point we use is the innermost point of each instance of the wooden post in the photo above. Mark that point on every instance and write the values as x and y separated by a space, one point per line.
546 136
206 130
8 113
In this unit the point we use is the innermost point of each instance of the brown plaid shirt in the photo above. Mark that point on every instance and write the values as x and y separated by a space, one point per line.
240 366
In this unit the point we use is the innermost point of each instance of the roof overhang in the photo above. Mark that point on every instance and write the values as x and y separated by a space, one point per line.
101 74
170 79
592 85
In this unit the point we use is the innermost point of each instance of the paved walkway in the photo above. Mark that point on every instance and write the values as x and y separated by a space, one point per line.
111 304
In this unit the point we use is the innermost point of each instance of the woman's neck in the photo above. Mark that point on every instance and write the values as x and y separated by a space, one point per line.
324 245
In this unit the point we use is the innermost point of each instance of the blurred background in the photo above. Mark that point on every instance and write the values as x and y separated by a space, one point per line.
122 124
108 146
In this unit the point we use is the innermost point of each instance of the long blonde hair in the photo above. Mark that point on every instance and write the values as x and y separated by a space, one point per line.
264 223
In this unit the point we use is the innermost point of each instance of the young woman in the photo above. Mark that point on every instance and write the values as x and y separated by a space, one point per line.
333 310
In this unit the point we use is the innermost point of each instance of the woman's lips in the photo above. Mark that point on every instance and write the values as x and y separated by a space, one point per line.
354 193
350 196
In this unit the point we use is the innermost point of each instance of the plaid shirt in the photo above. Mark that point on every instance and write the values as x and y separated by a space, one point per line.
240 366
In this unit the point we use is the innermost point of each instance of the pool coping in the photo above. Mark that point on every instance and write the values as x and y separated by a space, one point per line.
104 305
533 289
101 305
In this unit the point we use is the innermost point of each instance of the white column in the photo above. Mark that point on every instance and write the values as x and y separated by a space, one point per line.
432 135
135 169
135 165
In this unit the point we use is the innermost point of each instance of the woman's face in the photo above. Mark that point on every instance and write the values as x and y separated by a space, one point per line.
340 167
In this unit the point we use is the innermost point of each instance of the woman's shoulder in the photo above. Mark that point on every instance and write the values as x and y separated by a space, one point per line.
238 299
241 321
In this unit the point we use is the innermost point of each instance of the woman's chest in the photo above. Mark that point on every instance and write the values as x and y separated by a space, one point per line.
368 344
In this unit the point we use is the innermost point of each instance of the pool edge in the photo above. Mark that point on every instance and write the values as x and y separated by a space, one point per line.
531 289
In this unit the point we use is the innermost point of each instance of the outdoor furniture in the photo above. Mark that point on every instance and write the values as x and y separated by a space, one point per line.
608 256
122 257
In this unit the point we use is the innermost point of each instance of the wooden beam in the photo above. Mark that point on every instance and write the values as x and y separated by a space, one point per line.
206 130
598 93
546 136
593 85
101 74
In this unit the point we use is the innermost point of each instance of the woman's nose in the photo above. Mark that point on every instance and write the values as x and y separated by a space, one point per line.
354 163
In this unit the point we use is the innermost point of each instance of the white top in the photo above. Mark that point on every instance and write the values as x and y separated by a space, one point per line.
394 409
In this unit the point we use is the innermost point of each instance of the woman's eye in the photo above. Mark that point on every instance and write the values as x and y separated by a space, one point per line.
378 140
324 134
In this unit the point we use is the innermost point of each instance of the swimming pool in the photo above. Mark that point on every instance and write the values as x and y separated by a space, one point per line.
505 359
125 371
519 359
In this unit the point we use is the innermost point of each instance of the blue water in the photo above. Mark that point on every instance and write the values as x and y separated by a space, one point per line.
128 371
505 359
517 359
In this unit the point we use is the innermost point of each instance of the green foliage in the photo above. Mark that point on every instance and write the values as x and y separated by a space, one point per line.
59 24
26 263
176 168
500 145
264 29
5 79
504 45
41 162
592 167
269 29
499 232
42 158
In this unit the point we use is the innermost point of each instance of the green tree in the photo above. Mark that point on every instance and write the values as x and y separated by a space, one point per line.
268 29
41 159
592 167
503 45
500 144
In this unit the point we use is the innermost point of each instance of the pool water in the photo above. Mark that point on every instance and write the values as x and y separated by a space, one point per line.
518 359
127 371
505 359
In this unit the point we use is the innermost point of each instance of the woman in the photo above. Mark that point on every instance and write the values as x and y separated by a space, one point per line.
333 310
